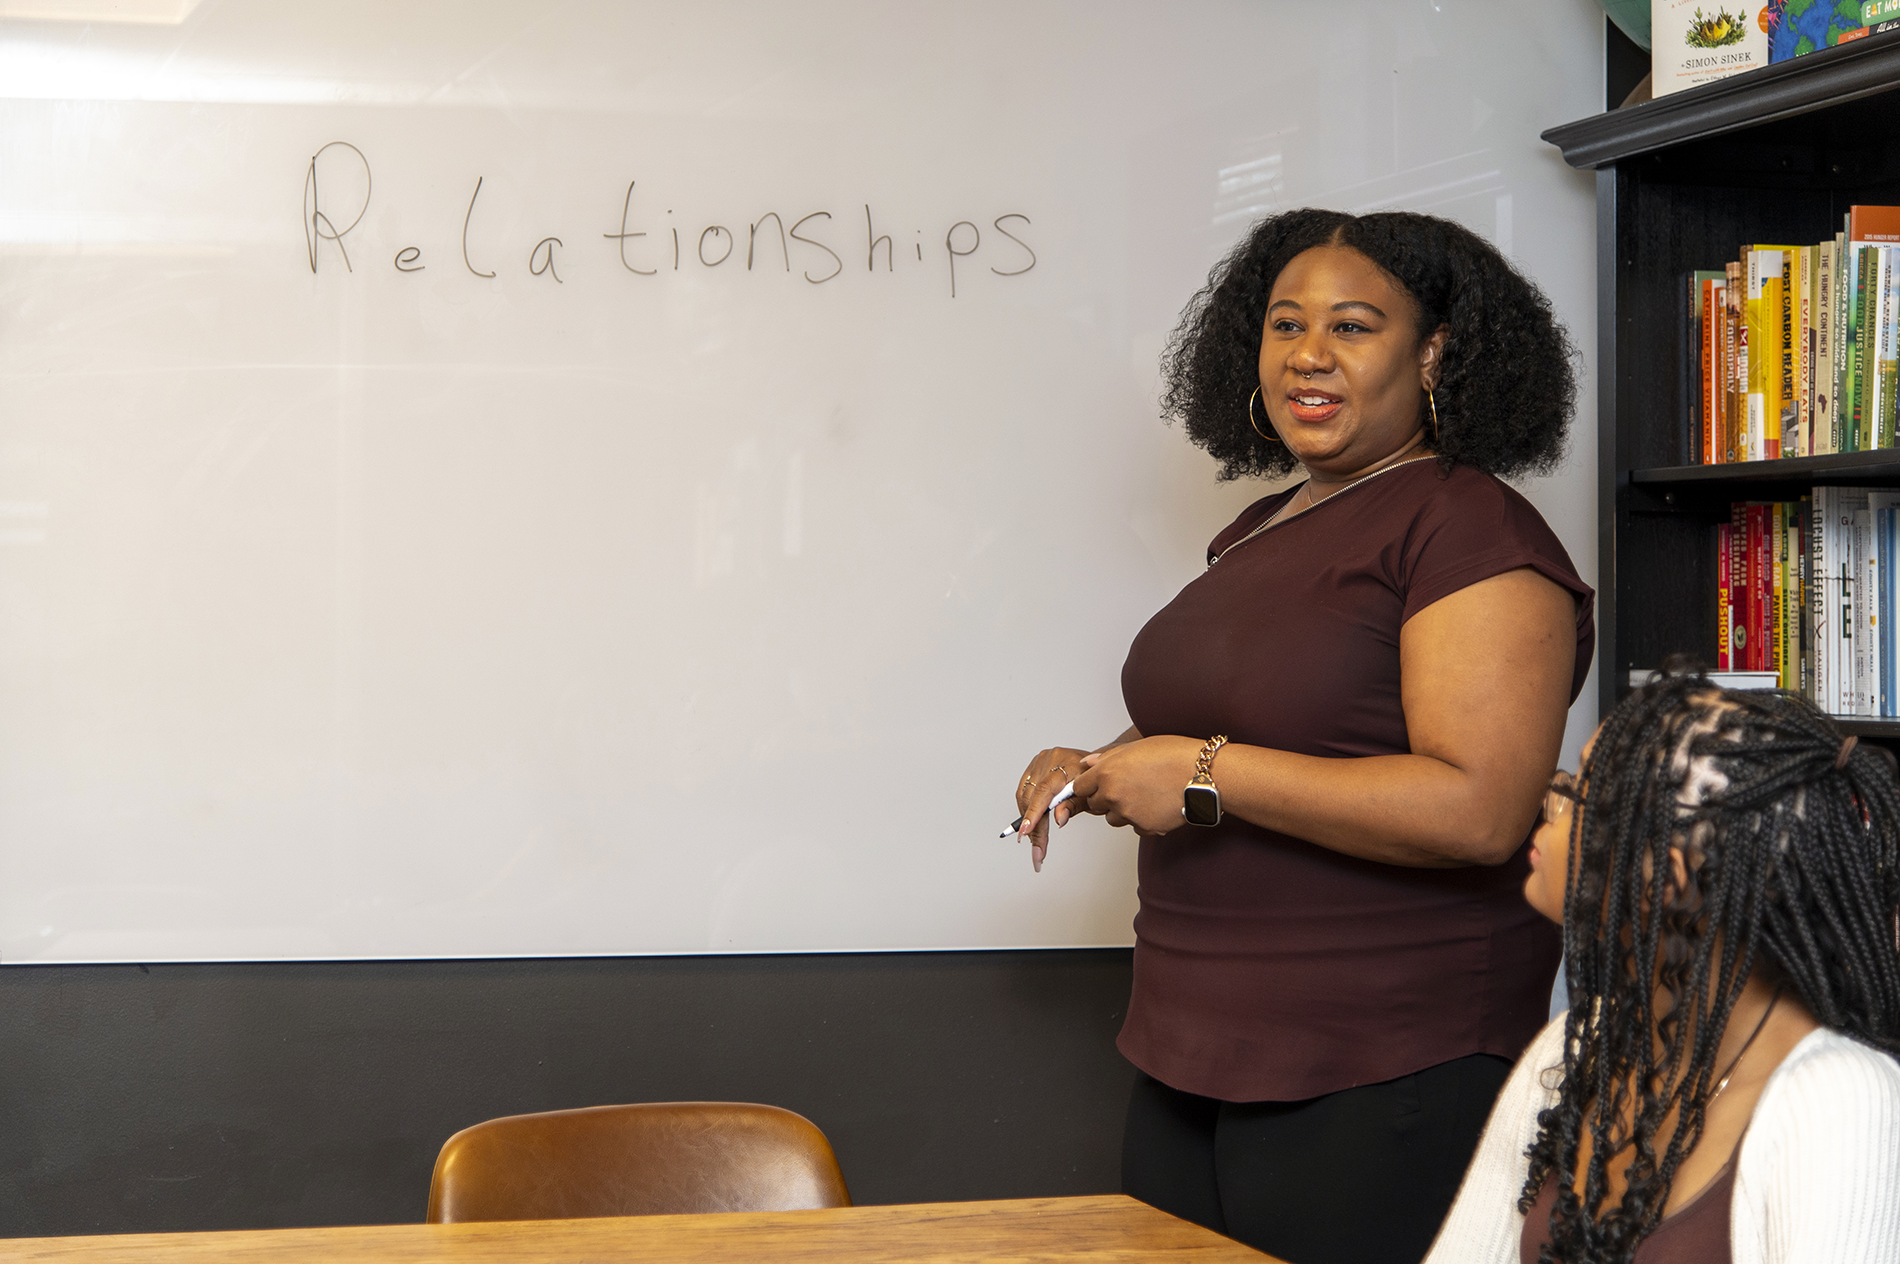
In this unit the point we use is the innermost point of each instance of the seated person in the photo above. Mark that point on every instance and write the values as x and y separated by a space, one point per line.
1723 1087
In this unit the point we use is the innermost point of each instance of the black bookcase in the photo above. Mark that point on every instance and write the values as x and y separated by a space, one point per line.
1777 154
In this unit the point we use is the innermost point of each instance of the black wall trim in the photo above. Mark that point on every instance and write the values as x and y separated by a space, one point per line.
191 1097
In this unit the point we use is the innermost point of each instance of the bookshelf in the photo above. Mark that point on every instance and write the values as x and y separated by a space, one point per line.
1777 154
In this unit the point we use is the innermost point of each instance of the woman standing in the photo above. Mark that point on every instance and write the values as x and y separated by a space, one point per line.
1342 732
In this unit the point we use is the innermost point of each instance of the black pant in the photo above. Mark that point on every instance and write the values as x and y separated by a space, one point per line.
1362 1176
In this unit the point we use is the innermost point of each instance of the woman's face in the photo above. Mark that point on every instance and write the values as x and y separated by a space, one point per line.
1550 846
1343 368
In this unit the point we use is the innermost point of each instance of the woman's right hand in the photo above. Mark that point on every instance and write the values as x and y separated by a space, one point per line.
1047 773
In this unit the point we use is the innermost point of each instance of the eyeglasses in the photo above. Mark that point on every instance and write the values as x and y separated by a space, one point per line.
1559 795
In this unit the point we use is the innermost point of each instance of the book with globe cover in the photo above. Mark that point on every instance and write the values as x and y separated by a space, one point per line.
1799 27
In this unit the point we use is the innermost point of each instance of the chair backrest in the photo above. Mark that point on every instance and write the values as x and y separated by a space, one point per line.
656 1158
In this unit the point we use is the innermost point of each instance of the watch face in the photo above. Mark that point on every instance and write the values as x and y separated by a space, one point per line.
1201 805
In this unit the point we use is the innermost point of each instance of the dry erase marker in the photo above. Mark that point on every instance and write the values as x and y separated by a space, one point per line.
1062 796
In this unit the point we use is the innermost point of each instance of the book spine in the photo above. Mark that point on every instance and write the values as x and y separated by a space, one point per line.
1842 584
1734 426
1868 361
1804 589
1804 351
1792 606
1786 426
1857 555
1754 357
1843 417
1844 338
1745 648
1889 608
1850 389
1726 365
1777 523
1883 627
1827 628
1824 349
1877 397
1705 348
1842 522
1722 597
1741 626
1870 608
1761 629
1889 367
1836 323
1866 263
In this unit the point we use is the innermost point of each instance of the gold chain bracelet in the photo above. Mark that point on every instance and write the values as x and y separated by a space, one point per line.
1204 767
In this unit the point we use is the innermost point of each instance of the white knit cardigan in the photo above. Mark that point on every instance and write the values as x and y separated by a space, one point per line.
1817 1180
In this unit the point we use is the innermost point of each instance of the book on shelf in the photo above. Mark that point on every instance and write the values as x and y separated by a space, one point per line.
1799 27
1799 382
1796 349
1734 362
1694 41
1724 597
1808 594
1706 299
1821 386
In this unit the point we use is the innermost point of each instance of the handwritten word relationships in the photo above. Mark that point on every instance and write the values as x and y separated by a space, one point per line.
336 196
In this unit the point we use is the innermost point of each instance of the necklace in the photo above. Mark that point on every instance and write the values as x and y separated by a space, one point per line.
1306 490
1737 1061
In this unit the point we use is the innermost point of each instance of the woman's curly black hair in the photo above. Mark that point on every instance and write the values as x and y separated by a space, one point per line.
1789 834
1505 393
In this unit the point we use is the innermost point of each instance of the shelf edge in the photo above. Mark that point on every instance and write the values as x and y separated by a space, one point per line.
1872 465
1866 67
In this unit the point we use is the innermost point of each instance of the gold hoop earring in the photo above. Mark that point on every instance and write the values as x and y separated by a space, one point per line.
1433 401
1256 425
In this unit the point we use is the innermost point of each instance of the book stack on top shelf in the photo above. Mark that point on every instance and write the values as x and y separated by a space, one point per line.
1716 482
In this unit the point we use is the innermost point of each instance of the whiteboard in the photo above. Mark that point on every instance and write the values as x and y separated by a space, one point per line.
441 513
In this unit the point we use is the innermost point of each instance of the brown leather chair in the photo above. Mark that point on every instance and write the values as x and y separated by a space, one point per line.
657 1158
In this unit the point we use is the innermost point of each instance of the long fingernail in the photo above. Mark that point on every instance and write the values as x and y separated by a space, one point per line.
1062 817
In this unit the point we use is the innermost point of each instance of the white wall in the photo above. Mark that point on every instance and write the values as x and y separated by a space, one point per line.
371 613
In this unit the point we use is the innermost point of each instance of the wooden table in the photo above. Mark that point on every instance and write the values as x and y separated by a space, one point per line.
1108 1228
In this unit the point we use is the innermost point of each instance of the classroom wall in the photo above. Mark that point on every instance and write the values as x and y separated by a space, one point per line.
191 1097
211 1096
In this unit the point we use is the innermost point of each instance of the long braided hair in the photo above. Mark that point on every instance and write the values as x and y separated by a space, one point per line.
1789 839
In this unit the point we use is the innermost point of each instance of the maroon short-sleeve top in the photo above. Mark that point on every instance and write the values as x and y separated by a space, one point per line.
1271 969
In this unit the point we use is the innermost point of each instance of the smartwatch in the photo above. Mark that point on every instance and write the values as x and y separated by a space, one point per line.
1200 802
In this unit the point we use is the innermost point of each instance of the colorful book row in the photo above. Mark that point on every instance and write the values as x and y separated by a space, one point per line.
1808 590
1797 348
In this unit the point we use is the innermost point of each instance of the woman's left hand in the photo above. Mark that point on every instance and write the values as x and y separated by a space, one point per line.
1138 784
